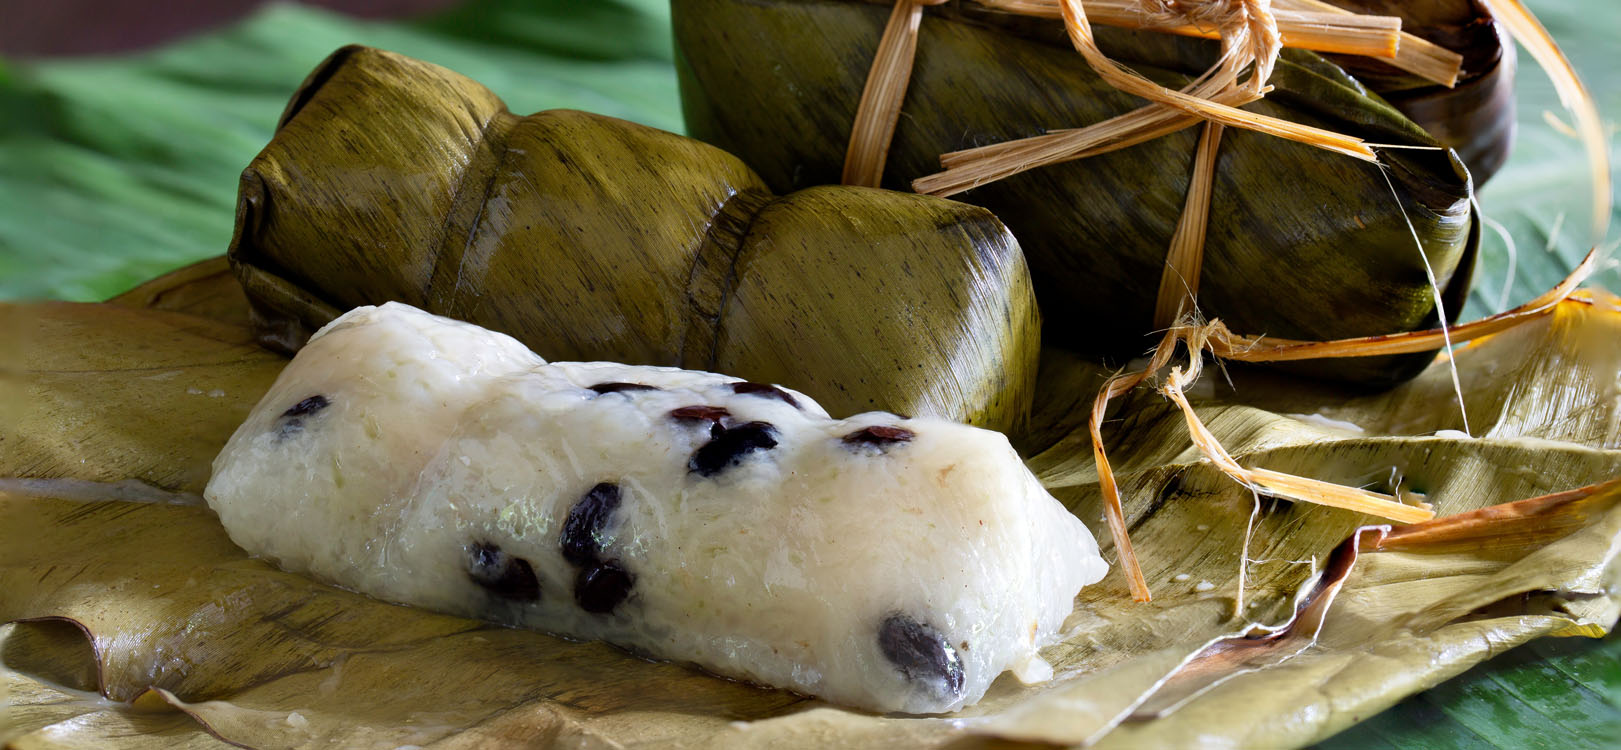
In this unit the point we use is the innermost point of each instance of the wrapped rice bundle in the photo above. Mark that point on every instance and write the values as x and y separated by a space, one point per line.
590 238
1474 116
1301 243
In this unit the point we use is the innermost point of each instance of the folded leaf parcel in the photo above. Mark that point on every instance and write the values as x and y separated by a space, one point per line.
1251 33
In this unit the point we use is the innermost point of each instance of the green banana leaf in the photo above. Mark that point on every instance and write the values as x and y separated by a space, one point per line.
1541 197
114 170
147 149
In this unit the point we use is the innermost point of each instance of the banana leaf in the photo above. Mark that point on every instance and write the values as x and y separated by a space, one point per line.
1301 244
1474 117
1570 681
591 238
1538 205
136 616
116 169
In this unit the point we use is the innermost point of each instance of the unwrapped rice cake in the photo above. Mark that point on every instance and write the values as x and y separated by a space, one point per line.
881 562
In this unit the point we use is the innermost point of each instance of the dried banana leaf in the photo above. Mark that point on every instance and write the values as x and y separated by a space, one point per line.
180 620
591 238
206 289
1301 244
49 699
1476 116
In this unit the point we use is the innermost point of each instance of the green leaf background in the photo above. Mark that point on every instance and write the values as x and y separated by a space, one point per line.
114 170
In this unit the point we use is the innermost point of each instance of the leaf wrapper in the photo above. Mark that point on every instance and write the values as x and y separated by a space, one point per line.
1096 230
179 620
595 239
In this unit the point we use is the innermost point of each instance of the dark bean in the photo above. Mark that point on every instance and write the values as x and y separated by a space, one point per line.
730 446
502 574
622 387
767 390
710 413
921 653
601 587
291 421
587 524
309 405
880 436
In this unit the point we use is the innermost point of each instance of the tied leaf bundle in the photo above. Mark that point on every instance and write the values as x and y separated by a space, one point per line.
590 238
1301 243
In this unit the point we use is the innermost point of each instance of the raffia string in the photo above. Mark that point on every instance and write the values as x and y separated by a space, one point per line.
1340 32
1223 344
1305 24
1250 39
880 106
1333 30
1416 55
1179 281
